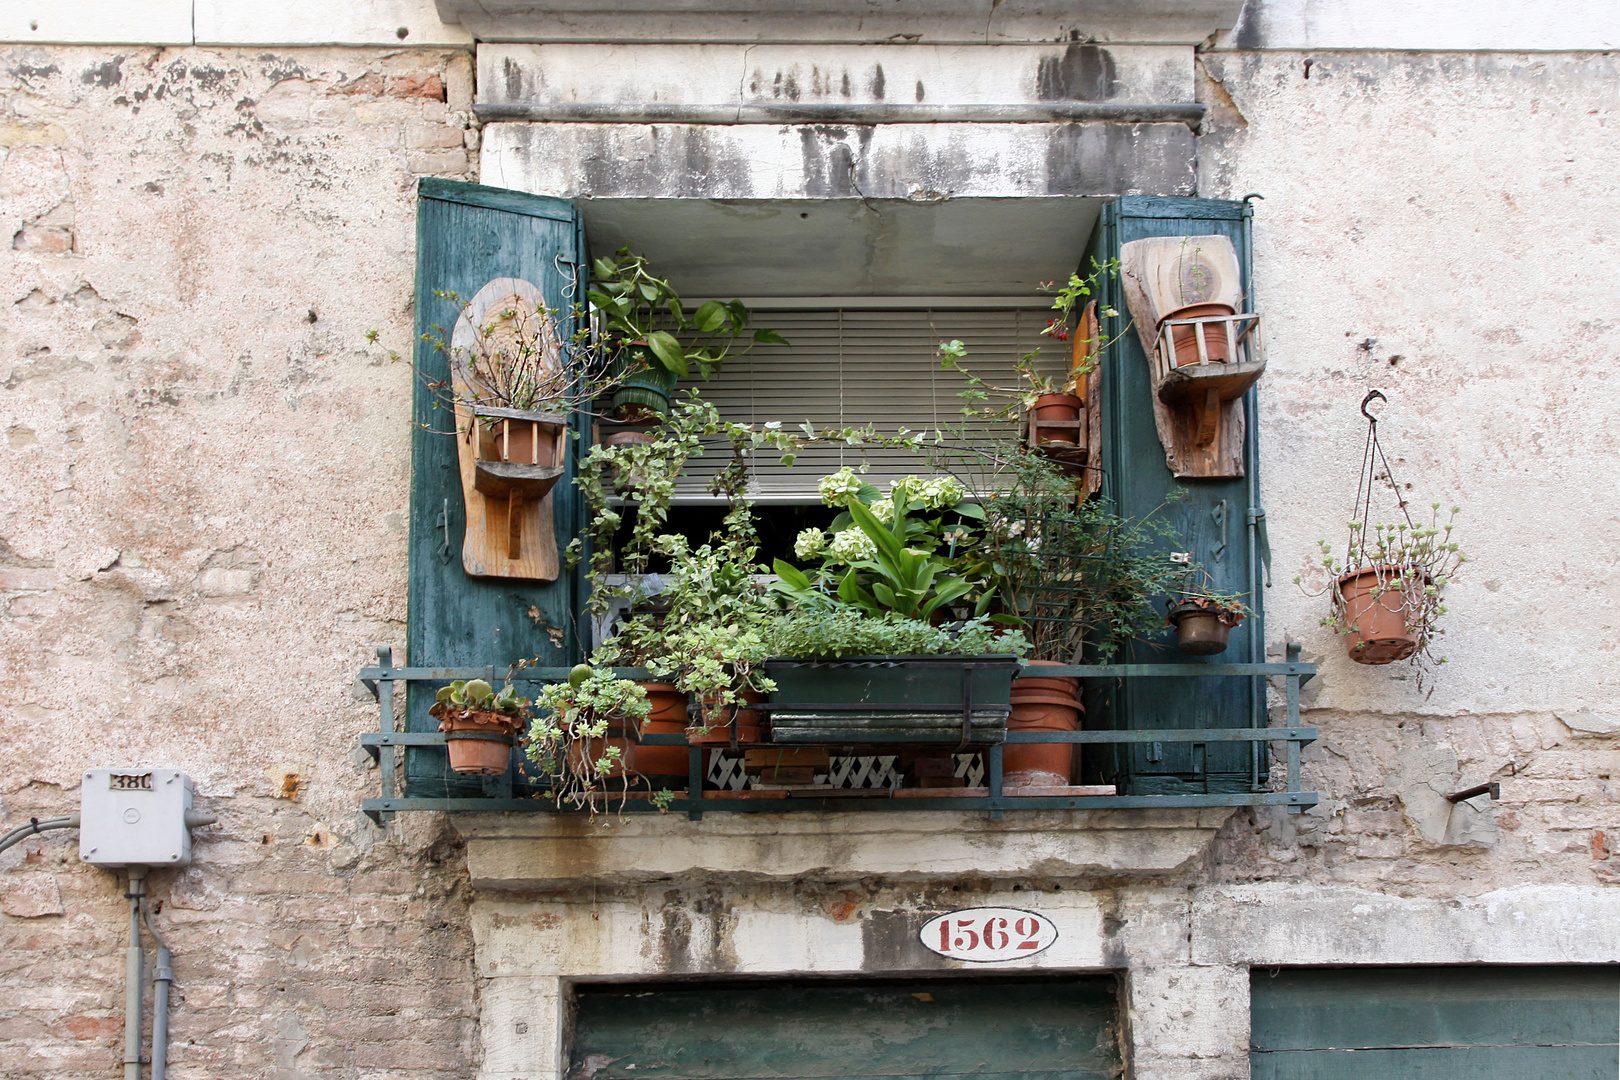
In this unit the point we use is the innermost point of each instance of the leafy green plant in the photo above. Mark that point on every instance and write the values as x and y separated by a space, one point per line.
573 720
1078 579
707 636
848 631
476 695
882 553
641 314
614 479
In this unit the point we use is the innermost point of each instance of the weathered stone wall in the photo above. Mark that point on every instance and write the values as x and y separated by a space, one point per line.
202 517
1430 229
202 532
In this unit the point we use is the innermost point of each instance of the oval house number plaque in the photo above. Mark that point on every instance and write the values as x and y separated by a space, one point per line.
987 935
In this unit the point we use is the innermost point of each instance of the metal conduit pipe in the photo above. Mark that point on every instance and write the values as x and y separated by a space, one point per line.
133 963
1043 112
162 977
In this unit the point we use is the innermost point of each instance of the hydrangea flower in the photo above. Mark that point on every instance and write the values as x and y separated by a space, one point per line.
809 544
935 493
883 510
840 488
851 546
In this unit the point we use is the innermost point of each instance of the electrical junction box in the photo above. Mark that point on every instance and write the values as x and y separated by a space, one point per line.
134 817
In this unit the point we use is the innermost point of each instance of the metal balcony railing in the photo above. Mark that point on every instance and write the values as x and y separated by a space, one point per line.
384 745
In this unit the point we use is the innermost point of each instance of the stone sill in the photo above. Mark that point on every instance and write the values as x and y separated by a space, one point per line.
541 851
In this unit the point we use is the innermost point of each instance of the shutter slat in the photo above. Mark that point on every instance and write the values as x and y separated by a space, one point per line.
849 367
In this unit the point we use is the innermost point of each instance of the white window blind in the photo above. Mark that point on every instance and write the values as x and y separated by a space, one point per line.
846 367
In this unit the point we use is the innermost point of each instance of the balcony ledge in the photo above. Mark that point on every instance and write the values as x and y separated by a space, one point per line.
539 852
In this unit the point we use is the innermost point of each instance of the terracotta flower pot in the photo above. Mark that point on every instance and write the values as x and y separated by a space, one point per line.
1379 633
629 437
479 743
520 445
668 717
1042 683
583 754
1200 631
666 701
749 724
1055 408
1185 338
1039 764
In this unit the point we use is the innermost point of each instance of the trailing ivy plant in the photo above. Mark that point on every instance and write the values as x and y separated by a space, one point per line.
573 719
707 635
1035 382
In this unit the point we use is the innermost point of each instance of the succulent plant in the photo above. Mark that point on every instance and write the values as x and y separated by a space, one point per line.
476 694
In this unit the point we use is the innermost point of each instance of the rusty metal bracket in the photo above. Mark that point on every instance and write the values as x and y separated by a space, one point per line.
1493 789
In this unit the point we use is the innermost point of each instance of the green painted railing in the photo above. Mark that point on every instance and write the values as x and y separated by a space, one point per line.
384 744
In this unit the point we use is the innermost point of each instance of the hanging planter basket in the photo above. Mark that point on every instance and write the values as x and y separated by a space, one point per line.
1372 603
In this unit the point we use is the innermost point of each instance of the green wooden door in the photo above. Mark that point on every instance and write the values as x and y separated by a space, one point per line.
467 235
1211 519
1035 1030
1425 1023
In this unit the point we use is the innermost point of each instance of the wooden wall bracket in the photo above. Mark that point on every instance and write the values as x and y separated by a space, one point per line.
510 459
1185 295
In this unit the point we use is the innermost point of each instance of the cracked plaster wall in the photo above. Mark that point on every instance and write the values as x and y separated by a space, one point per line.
201 534
203 467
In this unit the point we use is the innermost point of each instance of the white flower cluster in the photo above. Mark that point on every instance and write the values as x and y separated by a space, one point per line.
935 493
840 488
809 544
851 546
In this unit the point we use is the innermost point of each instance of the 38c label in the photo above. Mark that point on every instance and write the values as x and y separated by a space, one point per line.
988 935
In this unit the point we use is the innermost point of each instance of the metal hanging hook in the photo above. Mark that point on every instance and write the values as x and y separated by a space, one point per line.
1368 400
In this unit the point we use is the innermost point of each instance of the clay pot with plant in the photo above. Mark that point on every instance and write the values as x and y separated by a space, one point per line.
654 340
1079 580
1202 616
585 734
480 725
1387 593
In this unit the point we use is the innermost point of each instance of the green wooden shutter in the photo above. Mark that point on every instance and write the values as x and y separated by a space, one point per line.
1213 520
1437 1023
1033 1030
467 235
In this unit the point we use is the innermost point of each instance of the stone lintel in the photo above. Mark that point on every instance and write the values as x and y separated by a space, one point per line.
540 851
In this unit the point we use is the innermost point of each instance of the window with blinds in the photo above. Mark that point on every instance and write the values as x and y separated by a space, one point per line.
850 366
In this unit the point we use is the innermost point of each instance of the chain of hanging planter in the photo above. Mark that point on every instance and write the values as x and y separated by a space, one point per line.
1387 591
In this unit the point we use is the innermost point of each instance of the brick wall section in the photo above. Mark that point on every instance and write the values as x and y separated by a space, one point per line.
1383 822
203 494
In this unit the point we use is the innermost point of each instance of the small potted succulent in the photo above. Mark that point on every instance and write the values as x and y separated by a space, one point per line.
585 732
642 323
1387 592
480 725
